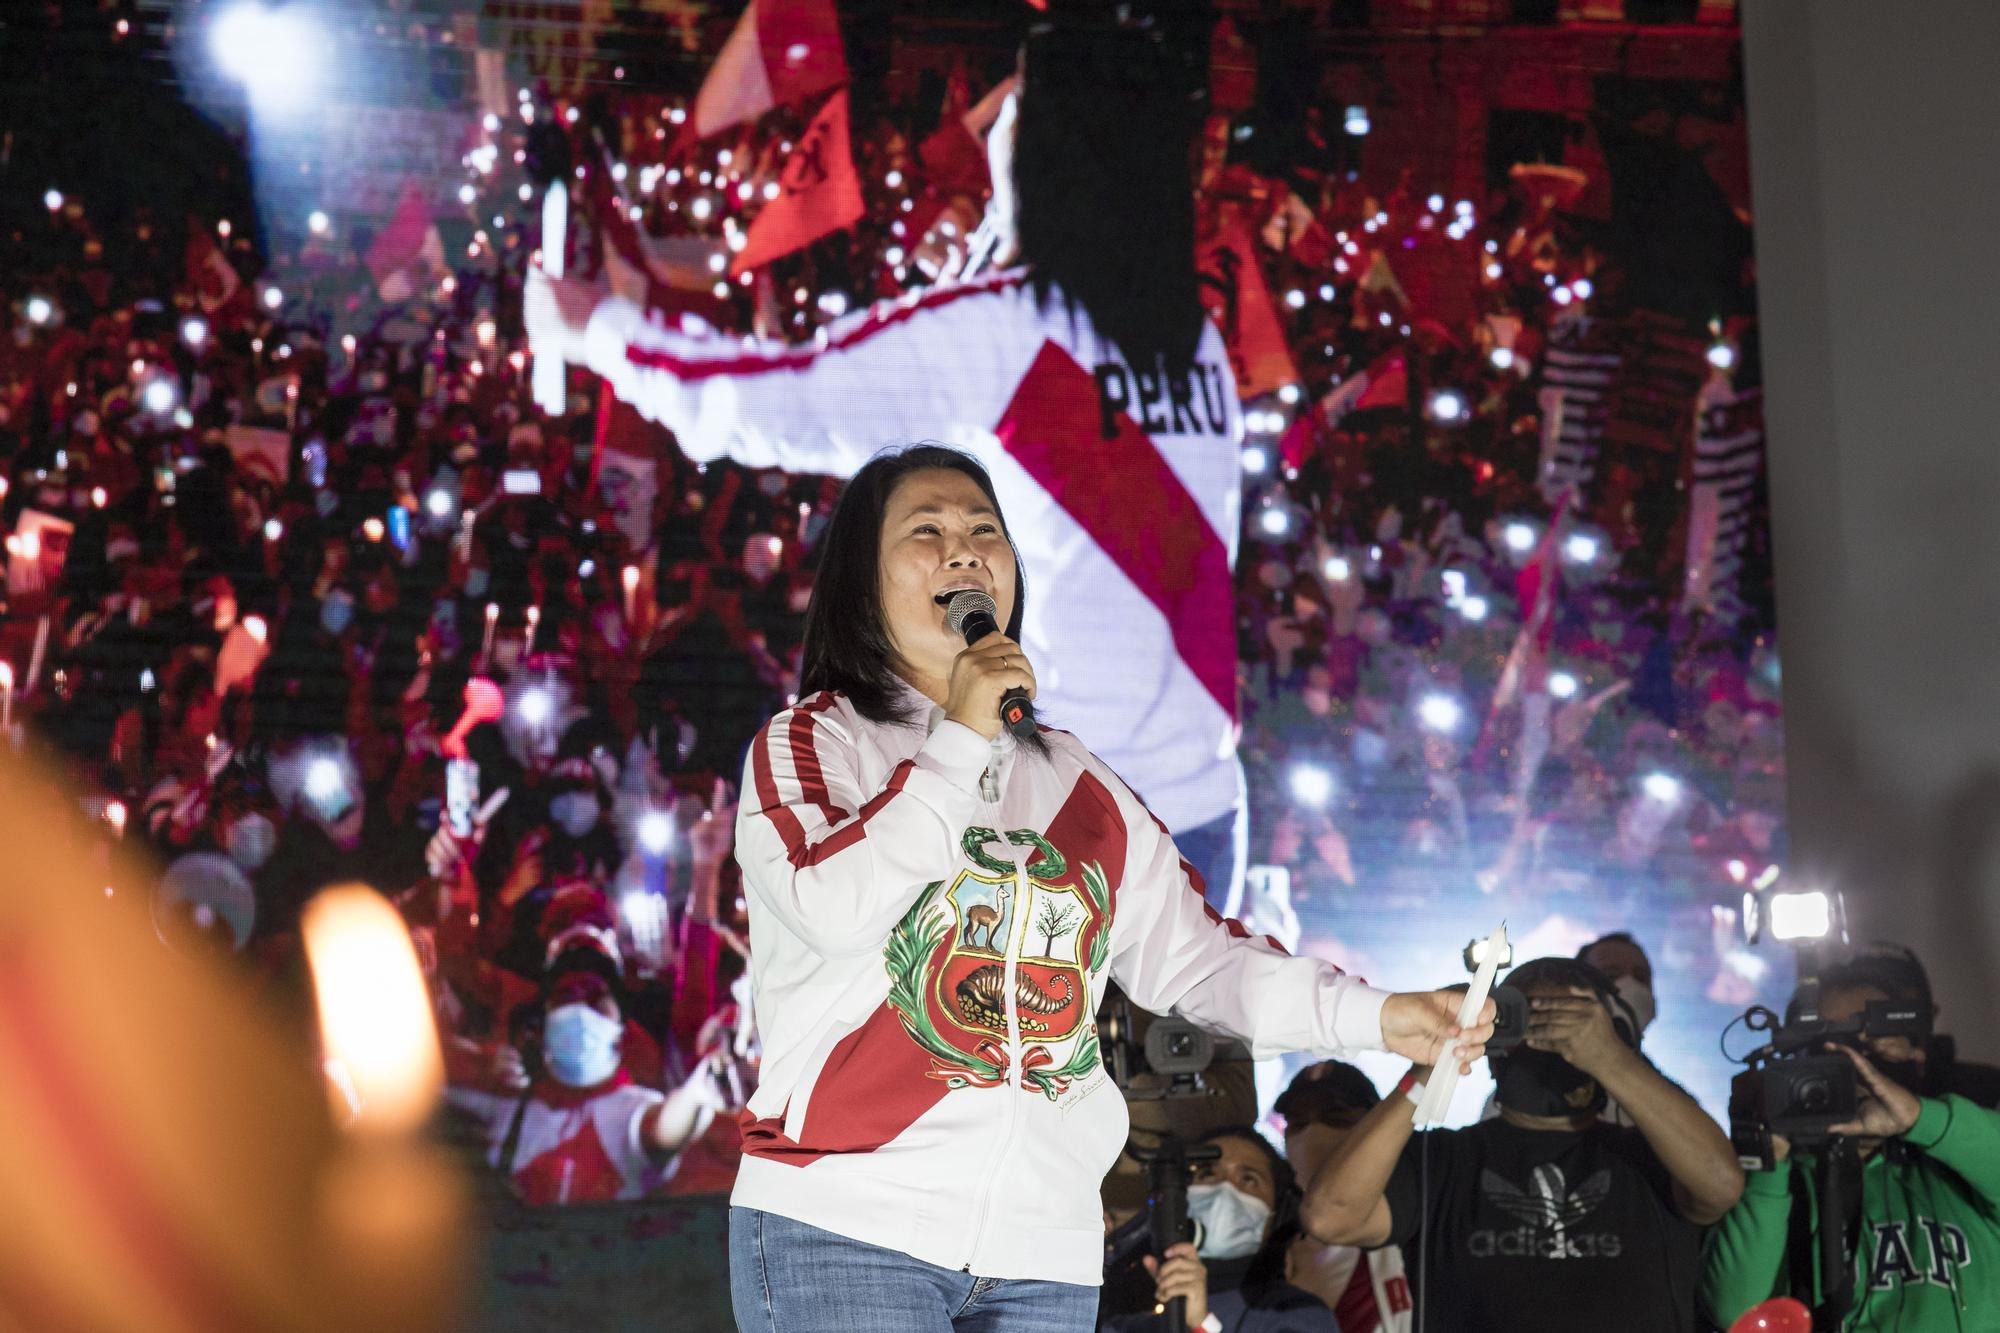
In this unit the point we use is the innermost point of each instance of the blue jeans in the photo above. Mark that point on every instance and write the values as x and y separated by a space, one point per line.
787 1277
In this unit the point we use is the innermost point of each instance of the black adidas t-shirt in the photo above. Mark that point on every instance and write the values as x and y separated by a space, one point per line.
1543 1232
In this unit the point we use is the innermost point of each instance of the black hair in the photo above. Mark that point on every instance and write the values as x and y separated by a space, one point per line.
1320 1090
1267 1266
846 645
1889 968
1102 173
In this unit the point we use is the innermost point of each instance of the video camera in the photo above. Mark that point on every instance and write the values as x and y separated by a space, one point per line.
1792 1085
1170 1048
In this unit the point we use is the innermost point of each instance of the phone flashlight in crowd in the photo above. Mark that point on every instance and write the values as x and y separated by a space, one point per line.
399 527
273 298
255 626
536 706
1662 787
273 529
1440 713
326 785
1502 358
522 481
159 395
1454 584
115 815
656 833
1337 569
372 528
439 503
1311 785
1476 951
1474 608
1446 406
40 310
1562 685
194 331
1801 916
1274 521
1255 460
1581 548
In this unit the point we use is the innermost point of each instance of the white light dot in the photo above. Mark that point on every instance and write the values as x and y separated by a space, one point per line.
1474 608
319 223
1295 299
701 207
1582 288
1274 521
1440 712
1289 394
1722 356
1447 405
1561 296
1337 569
1562 685
894 180
159 396
1435 203
39 310
438 502
1326 291
1662 787
771 190
1502 358
273 298
656 832
1581 547
1255 460
1311 784
1520 537
53 200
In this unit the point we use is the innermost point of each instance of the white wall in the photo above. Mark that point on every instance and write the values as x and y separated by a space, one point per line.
1876 180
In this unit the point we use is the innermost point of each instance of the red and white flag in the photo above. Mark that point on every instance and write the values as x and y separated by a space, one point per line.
819 192
1239 301
209 272
408 251
783 51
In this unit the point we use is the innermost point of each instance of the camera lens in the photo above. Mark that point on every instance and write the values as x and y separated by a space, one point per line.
1813 1096
1181 1045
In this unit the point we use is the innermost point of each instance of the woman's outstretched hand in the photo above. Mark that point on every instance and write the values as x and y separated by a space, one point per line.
1422 1027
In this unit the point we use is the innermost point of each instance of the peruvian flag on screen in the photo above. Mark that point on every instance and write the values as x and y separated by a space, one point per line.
819 192
408 251
783 51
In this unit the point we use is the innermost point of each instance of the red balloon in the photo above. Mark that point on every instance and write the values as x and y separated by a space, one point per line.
1779 1315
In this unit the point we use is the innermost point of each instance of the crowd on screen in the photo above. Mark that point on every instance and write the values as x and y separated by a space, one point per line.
266 524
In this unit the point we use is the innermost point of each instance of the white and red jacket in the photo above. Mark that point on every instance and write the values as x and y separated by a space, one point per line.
933 918
1121 489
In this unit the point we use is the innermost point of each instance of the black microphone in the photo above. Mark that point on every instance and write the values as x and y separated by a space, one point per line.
973 614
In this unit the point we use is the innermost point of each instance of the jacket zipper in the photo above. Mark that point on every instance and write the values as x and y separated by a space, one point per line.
1012 1087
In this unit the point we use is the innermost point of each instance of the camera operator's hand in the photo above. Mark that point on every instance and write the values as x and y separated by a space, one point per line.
1887 1107
1181 1273
1422 1027
1577 1027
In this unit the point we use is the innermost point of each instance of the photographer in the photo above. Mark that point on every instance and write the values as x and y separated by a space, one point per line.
1543 1218
1234 1279
580 1130
1367 1290
1927 1232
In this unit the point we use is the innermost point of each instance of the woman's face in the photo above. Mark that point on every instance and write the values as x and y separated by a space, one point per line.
939 533
1244 1167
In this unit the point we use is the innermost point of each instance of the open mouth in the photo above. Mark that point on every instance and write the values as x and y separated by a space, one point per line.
944 598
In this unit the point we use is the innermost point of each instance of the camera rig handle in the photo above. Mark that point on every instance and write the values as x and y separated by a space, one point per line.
1167 1167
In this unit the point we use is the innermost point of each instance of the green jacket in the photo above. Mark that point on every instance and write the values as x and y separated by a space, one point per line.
1927 1256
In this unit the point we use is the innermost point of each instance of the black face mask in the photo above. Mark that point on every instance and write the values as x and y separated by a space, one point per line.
1543 1083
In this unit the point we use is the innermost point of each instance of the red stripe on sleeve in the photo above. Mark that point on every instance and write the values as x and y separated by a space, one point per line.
847 836
761 363
770 805
805 757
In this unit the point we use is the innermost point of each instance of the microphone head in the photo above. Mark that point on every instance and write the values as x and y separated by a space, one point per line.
963 606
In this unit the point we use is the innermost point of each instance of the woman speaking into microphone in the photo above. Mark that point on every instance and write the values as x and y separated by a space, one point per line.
935 906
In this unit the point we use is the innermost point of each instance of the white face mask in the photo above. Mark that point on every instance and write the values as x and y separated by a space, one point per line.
1232 1222
1640 996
